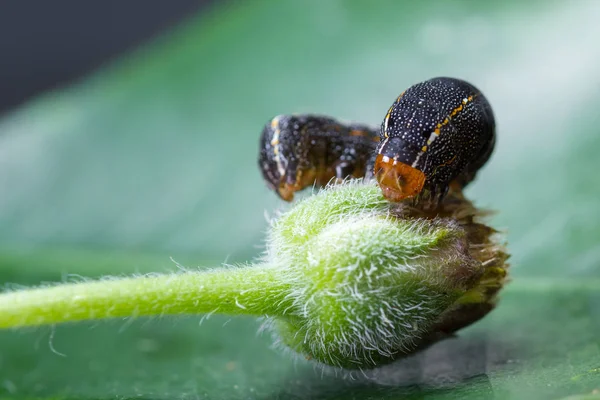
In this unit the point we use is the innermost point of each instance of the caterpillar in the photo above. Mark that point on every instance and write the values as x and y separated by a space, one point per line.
437 134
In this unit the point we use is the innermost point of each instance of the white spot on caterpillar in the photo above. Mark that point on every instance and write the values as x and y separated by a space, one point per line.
275 144
432 137
385 159
385 124
414 164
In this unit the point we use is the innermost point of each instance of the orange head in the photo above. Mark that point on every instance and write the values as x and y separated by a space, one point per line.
398 181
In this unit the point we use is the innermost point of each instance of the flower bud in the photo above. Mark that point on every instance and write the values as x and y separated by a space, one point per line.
374 281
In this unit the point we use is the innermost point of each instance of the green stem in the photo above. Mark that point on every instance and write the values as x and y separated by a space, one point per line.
252 290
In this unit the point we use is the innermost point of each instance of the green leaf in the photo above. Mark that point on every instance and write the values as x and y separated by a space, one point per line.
155 156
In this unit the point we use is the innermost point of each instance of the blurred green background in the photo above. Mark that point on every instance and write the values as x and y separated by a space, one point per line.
155 157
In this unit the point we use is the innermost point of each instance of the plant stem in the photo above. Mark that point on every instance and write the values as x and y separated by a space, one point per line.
253 290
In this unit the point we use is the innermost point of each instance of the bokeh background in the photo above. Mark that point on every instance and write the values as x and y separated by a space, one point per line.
146 149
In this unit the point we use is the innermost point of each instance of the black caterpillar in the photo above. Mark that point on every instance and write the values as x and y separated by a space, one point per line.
436 135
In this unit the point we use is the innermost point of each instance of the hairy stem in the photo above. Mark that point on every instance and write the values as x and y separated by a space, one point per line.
251 290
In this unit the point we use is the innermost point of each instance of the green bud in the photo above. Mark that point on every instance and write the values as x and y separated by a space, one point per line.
348 280
374 281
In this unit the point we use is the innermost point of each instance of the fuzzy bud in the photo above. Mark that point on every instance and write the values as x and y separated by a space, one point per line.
373 281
